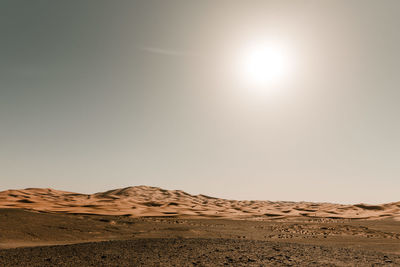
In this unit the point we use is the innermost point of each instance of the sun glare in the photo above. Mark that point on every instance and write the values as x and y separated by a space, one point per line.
265 65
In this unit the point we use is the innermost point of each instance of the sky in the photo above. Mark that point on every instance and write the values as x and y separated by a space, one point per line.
97 95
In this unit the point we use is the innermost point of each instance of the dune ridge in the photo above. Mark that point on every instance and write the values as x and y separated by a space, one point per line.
140 201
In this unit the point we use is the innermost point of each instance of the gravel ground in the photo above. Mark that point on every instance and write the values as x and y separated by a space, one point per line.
193 252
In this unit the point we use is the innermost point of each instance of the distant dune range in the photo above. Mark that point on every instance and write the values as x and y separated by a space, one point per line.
141 201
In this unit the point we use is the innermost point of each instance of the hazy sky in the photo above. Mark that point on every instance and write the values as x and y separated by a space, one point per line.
96 95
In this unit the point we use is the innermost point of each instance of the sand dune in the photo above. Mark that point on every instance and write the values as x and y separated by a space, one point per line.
141 201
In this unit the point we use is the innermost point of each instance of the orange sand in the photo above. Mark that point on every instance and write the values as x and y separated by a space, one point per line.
152 201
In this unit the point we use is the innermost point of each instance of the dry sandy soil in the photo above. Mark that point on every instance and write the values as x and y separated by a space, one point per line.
147 226
142 201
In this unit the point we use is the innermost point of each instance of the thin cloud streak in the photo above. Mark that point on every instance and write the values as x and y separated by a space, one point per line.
162 51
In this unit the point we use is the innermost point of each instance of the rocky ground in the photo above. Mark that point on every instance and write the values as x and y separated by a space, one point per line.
29 238
193 252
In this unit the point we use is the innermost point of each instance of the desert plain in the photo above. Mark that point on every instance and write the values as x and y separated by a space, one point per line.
150 226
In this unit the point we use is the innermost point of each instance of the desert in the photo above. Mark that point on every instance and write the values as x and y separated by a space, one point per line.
150 226
199 133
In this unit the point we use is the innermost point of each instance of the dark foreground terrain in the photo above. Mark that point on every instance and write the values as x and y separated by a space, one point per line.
192 252
56 239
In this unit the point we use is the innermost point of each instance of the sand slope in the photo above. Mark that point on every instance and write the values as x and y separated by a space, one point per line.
140 201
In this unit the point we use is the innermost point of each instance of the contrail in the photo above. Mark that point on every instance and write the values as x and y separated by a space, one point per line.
161 51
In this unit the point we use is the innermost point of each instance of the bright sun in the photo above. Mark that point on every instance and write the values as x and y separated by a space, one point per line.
265 65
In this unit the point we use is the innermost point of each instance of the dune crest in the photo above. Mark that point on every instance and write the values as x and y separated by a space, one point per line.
141 201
